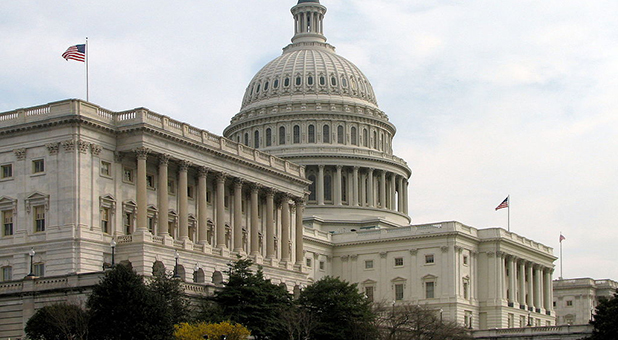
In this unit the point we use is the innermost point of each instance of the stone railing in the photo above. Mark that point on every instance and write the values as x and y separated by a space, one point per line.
548 332
144 116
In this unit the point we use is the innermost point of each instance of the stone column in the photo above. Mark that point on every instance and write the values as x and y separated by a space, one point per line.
238 215
338 185
142 193
405 195
285 228
383 189
255 221
547 287
183 201
530 286
522 282
320 185
537 286
512 282
500 276
220 204
370 187
299 231
270 224
354 185
400 196
393 186
162 195
363 191
202 207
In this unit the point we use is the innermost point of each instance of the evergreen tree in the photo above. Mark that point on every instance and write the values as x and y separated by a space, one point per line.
340 311
605 320
58 322
122 307
253 301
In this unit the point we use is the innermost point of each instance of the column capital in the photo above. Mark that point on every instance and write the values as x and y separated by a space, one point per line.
221 176
321 166
299 201
356 168
184 165
164 159
255 187
339 167
238 182
202 171
141 153
269 192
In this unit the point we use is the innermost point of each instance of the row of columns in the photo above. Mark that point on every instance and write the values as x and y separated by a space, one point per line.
392 188
202 209
536 292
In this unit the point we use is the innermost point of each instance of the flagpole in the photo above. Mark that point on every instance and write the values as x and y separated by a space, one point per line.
509 213
87 82
561 256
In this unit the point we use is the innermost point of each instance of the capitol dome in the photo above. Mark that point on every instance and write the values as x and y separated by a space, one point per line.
317 109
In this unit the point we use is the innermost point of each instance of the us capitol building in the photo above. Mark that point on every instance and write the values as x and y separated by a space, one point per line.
304 182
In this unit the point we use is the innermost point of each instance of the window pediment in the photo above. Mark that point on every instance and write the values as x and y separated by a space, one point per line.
369 282
8 203
429 277
37 199
399 279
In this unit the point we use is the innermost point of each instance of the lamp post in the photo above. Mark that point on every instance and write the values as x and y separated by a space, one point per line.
176 257
441 311
31 253
113 245
529 319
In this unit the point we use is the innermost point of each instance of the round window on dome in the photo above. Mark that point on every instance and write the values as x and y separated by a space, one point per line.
266 86
257 90
344 82
333 81
276 84
299 80
310 81
286 82
322 80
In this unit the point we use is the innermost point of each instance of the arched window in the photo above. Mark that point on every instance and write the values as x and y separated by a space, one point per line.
328 188
333 81
375 140
340 134
246 138
269 136
344 82
281 135
344 189
258 89
325 134
353 135
296 134
266 86
310 80
312 195
311 134
365 138
276 84
256 139
286 82
322 80
299 80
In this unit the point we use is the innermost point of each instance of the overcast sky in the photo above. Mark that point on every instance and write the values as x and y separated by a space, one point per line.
490 98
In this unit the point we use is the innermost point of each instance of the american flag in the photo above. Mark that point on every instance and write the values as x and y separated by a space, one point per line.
504 204
77 52
562 238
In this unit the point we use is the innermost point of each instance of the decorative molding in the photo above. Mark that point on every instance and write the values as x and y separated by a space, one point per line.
68 145
53 148
95 149
202 171
184 165
491 254
444 249
118 156
164 159
221 176
354 257
20 154
413 251
345 258
83 146
383 254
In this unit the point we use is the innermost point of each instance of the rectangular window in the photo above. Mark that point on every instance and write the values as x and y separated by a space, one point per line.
398 261
369 293
429 290
7 223
127 221
39 218
322 265
399 291
465 260
105 220
127 175
151 224
6 171
429 259
569 303
106 168
190 192
38 166
38 269
150 181
465 290
369 264
308 262
7 273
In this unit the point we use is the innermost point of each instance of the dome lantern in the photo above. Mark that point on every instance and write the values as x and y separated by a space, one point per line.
308 21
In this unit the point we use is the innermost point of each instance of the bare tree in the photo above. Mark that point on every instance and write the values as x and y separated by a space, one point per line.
415 322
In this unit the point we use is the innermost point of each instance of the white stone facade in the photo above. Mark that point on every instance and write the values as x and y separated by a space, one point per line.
576 299
309 137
